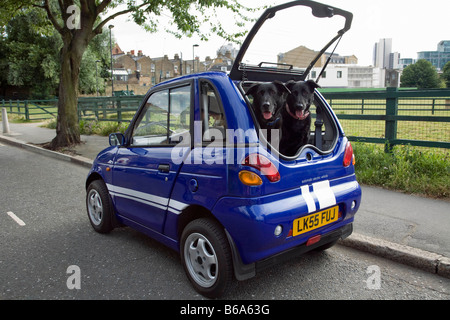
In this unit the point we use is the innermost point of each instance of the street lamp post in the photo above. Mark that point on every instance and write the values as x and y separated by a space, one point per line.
112 70
96 76
193 58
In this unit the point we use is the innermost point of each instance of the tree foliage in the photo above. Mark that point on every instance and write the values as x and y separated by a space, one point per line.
31 57
422 75
446 74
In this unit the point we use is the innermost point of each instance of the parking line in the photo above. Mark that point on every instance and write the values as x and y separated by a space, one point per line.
16 218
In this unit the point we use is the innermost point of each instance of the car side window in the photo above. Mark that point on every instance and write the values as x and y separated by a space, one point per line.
165 118
212 115
180 114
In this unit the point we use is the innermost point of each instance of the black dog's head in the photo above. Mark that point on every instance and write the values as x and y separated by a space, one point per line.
267 99
300 98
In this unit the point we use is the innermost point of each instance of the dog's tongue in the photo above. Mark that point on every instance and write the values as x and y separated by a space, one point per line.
267 115
301 115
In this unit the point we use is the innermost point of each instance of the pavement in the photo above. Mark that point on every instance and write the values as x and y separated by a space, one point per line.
409 229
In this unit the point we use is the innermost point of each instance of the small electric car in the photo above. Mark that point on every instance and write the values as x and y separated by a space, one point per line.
195 171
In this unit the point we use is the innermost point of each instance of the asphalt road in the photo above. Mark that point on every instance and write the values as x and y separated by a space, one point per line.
56 255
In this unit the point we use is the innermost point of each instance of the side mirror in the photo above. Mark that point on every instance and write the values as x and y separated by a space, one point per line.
116 139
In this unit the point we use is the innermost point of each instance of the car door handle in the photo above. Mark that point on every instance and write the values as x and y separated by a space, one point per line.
165 168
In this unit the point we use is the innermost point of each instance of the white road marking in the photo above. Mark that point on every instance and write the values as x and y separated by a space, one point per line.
16 218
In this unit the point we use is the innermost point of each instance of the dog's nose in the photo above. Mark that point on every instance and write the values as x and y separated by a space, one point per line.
300 105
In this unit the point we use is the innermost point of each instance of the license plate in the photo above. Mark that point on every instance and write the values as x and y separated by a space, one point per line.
315 221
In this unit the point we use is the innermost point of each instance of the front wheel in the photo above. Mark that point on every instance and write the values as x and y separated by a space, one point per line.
206 257
99 207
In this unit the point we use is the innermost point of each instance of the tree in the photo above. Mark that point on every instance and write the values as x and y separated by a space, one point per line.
446 74
421 75
79 22
31 54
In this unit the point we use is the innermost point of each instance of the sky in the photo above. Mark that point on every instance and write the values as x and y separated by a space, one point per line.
413 26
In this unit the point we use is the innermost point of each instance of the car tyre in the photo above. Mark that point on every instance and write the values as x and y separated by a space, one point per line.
99 207
206 257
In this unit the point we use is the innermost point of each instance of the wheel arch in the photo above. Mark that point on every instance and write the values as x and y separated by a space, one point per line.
192 213
92 177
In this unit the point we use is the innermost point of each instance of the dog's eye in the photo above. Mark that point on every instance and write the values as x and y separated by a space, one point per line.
305 94
272 92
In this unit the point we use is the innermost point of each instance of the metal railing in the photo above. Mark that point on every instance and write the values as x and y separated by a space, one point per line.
390 116
394 116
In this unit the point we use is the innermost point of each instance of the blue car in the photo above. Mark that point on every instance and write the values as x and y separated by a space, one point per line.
196 171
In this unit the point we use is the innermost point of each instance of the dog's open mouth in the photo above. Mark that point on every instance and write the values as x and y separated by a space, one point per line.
301 115
267 115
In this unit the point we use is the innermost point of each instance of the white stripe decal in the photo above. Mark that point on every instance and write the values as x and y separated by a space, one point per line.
149 199
177 204
308 199
324 194
139 200
137 194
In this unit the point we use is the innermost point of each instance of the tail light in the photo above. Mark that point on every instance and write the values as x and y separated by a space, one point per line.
264 165
349 157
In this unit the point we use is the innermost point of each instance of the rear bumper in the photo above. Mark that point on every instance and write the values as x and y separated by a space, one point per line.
246 271
251 222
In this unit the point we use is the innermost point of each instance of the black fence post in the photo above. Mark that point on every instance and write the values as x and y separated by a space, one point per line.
391 122
119 110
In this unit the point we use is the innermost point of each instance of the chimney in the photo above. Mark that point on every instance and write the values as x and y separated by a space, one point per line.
140 53
132 53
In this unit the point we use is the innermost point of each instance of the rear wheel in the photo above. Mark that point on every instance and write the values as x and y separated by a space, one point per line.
99 207
206 257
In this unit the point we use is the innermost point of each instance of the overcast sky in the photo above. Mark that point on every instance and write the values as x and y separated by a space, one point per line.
413 26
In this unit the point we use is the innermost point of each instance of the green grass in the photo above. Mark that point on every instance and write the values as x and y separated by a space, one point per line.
408 169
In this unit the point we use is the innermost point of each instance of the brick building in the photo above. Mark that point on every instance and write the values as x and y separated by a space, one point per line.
138 72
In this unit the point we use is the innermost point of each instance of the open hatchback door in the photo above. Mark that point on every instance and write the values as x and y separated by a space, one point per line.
289 40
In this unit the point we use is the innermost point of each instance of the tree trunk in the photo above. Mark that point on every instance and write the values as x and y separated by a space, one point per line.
67 128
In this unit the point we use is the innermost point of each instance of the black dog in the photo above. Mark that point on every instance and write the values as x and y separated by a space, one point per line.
268 100
296 116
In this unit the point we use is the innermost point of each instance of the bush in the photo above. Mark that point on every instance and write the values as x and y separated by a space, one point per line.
407 168
101 128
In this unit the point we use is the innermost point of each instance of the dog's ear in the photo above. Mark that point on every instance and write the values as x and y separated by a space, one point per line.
251 91
312 84
282 88
290 85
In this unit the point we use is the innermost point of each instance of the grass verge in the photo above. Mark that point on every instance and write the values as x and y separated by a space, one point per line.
408 169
